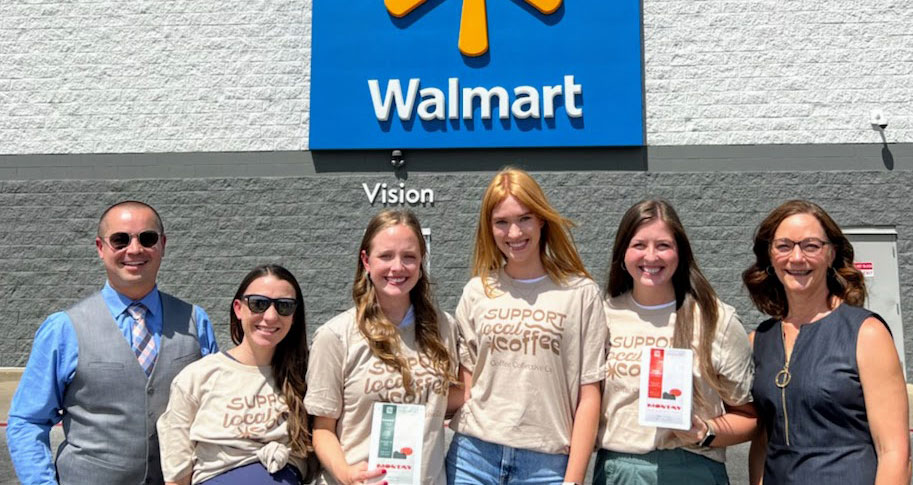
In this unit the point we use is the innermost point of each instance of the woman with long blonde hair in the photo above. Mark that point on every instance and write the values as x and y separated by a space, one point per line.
657 296
532 345
394 345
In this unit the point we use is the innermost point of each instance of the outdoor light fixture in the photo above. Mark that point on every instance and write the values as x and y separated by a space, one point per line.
397 159
878 119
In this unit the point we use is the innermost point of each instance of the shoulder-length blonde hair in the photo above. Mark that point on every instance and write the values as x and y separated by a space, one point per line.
765 289
380 333
556 245
692 290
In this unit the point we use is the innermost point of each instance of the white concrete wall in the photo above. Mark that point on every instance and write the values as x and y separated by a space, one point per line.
113 76
721 72
229 75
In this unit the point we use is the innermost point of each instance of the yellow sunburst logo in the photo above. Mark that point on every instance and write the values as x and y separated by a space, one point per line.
473 40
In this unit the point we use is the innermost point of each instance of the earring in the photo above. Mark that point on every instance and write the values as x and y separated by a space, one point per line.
623 268
770 270
832 272
368 280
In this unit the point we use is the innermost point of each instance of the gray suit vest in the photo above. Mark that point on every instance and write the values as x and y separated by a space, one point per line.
110 407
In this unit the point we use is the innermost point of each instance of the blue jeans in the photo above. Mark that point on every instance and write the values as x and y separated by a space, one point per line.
471 461
658 467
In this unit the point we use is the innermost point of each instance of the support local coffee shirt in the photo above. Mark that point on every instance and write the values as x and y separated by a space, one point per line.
529 348
345 379
631 329
221 415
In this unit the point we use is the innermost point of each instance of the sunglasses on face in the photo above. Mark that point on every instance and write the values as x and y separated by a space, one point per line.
120 240
260 303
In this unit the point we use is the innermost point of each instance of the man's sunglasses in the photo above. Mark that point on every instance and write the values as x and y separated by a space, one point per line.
120 240
260 303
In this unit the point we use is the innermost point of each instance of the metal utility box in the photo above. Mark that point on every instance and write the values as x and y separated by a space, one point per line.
876 257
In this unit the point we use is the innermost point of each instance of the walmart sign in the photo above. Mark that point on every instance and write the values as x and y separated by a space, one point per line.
475 73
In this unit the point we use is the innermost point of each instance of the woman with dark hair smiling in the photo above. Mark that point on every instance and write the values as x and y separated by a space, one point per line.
829 387
236 417
658 297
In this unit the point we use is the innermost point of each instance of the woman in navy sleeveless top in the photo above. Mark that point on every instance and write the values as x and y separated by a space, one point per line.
828 386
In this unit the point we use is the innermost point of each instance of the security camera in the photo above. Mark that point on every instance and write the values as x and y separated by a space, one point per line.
397 159
878 119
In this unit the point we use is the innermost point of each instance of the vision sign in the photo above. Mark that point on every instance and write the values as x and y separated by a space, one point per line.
476 73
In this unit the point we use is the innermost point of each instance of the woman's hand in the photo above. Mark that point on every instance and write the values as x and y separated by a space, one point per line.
329 451
358 474
696 434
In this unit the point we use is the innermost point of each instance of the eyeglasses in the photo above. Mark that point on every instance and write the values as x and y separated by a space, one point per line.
810 246
260 303
120 240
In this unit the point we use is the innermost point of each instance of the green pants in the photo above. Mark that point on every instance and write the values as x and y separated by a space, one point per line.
658 467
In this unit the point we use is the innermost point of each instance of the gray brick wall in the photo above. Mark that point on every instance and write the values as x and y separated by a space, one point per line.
219 228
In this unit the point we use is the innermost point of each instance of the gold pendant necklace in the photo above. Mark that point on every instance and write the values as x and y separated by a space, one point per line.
782 380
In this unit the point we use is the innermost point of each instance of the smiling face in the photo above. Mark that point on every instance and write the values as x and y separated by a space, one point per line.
133 269
517 232
651 259
264 330
393 261
801 273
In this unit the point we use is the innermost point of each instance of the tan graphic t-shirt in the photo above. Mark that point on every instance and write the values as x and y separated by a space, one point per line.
222 414
631 329
345 380
529 348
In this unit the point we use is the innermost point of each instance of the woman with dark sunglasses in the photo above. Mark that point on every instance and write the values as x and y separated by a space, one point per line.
237 417
393 346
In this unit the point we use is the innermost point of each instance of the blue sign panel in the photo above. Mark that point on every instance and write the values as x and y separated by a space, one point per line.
475 73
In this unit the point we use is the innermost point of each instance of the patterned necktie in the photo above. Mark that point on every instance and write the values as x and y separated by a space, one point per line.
143 343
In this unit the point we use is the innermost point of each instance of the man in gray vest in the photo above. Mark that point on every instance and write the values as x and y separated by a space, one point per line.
104 366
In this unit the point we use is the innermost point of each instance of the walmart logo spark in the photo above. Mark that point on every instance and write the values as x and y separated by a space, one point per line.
473 40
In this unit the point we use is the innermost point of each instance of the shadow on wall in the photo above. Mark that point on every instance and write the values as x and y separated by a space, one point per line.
879 124
887 157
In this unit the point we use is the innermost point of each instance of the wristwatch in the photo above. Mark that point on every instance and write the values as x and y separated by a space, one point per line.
708 438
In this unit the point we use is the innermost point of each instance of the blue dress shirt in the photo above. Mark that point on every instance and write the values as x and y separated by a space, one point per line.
38 402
